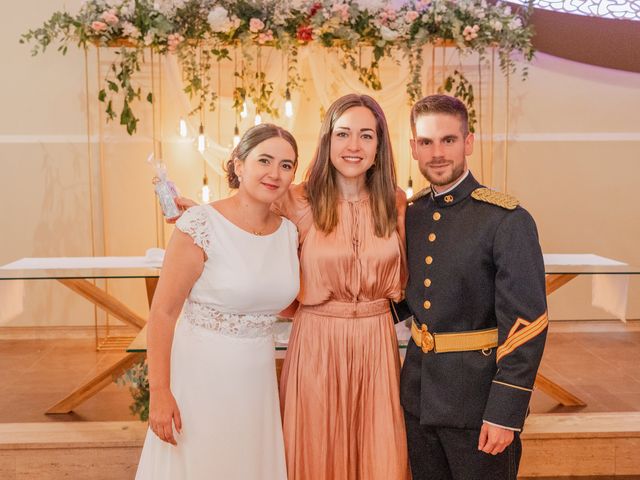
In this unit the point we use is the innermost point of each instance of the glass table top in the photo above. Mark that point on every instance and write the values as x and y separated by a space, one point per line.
69 273
89 273
143 267
592 269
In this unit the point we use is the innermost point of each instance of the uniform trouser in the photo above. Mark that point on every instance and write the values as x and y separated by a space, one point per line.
437 453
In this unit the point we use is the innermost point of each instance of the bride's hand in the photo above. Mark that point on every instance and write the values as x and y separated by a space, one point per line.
163 414
182 203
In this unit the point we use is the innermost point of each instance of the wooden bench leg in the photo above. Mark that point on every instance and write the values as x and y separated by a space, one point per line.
558 393
97 383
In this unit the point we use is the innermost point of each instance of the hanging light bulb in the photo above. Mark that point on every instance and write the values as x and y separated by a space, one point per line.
409 190
183 128
244 112
258 119
288 106
201 139
206 197
236 136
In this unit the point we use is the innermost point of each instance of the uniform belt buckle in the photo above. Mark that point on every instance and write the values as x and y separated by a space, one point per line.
427 340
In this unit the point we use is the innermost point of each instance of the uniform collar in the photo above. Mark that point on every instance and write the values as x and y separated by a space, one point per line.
457 193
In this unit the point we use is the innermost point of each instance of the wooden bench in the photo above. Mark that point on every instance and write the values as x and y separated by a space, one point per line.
555 445
581 444
78 450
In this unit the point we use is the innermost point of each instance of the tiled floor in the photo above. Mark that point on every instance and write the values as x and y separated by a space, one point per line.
598 362
38 373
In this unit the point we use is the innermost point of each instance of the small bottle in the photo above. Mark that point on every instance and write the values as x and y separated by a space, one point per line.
166 191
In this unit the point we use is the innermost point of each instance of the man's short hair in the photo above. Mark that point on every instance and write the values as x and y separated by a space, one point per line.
440 104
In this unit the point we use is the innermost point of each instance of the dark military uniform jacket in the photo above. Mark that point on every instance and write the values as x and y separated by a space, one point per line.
474 263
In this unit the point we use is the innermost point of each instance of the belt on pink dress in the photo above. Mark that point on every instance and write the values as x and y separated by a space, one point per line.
333 308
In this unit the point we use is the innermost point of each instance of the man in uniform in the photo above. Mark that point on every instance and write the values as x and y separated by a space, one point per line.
477 295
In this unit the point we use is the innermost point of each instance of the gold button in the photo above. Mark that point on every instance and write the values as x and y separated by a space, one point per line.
437 216
432 237
427 305
427 282
429 260
448 198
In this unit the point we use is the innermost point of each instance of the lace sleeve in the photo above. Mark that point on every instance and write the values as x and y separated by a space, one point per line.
194 223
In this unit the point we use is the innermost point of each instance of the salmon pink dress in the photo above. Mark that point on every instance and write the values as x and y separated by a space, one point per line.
339 388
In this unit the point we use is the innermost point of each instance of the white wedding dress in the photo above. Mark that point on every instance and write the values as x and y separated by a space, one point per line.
222 360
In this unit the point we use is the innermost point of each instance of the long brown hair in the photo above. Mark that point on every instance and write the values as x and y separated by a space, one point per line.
250 140
322 188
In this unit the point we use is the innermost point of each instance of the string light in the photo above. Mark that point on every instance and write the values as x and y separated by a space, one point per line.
409 190
201 140
183 128
244 112
258 119
288 106
236 136
206 194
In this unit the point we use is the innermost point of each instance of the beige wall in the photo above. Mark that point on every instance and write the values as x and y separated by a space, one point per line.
574 162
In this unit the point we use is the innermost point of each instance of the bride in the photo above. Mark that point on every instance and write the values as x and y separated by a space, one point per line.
214 410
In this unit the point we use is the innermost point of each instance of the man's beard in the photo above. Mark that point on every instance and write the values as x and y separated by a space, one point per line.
456 173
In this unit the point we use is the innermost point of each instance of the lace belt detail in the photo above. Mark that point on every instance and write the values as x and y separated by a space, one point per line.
236 325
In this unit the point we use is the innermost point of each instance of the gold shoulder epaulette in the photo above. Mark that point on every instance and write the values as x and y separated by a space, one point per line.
495 198
419 195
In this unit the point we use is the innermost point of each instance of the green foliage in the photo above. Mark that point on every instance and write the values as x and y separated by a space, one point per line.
201 32
136 379
459 86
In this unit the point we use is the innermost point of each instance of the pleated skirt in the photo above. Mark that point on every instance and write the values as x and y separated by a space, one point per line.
339 394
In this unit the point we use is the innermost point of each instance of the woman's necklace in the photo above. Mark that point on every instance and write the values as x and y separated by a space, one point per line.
257 231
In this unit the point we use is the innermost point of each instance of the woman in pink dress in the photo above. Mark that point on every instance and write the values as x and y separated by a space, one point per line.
339 389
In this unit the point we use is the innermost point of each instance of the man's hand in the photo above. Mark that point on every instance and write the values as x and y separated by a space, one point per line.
494 439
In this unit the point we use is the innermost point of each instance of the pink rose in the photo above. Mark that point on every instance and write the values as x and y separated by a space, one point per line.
265 37
342 9
109 17
410 16
98 26
255 25
469 33
173 40
388 14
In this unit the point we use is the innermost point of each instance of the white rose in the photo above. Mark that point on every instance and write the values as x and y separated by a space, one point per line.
127 8
496 25
163 6
371 5
388 34
296 4
515 24
130 30
219 19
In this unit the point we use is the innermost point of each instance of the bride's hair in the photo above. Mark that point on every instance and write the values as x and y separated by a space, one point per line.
250 140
